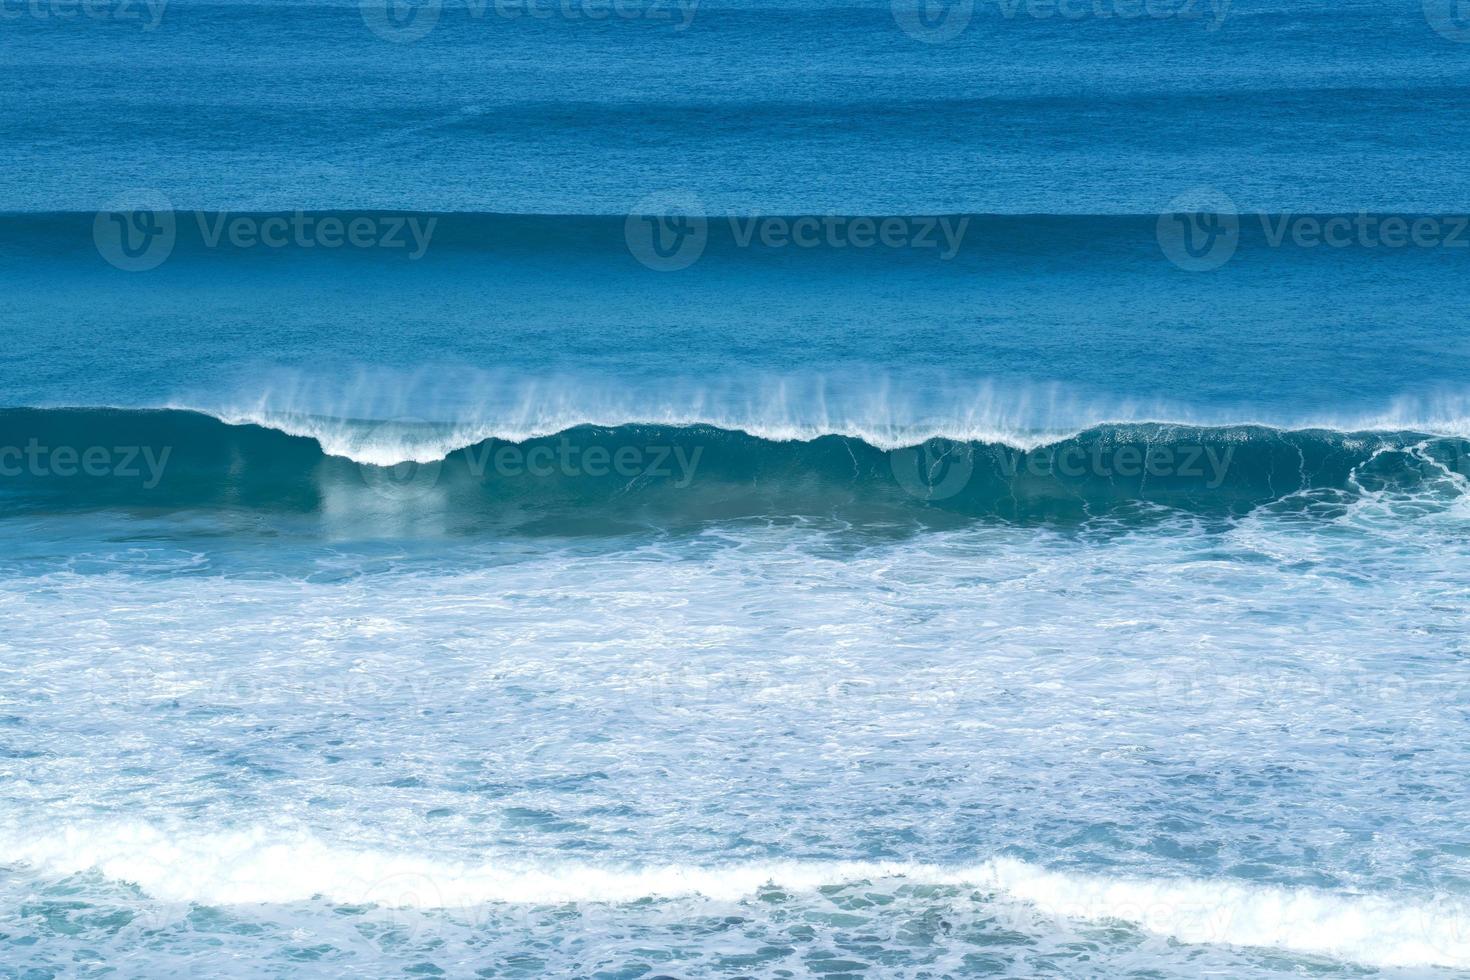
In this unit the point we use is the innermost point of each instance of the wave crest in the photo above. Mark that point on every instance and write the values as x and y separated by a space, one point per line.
617 478
385 416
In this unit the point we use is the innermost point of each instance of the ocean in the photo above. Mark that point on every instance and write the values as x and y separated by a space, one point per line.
788 488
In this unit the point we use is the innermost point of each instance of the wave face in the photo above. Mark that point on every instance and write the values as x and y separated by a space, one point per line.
620 477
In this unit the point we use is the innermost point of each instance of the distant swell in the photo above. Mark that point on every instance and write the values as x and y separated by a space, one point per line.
611 477
253 866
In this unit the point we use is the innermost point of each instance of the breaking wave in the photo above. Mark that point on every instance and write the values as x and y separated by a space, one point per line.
79 459
255 866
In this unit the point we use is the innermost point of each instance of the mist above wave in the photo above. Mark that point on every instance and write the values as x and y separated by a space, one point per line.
384 417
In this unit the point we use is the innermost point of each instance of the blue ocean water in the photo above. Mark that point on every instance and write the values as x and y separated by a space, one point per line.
777 489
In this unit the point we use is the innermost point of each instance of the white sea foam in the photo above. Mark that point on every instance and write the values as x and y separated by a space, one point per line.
413 441
384 418
256 866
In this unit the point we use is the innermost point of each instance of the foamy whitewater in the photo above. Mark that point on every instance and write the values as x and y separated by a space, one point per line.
1155 738
249 868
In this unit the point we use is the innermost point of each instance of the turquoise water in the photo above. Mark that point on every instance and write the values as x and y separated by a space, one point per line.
759 496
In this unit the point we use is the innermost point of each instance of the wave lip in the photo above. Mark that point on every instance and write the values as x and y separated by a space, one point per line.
254 866
419 441
384 417
398 441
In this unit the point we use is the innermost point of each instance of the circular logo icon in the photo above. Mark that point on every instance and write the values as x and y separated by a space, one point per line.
400 21
1197 682
158 916
933 21
136 231
400 902
1449 18
667 231
406 479
1446 927
1459 457
937 470
1200 230
404 890
695 689
113 682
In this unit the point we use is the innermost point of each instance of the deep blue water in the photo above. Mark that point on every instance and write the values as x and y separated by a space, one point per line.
781 107
1016 323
